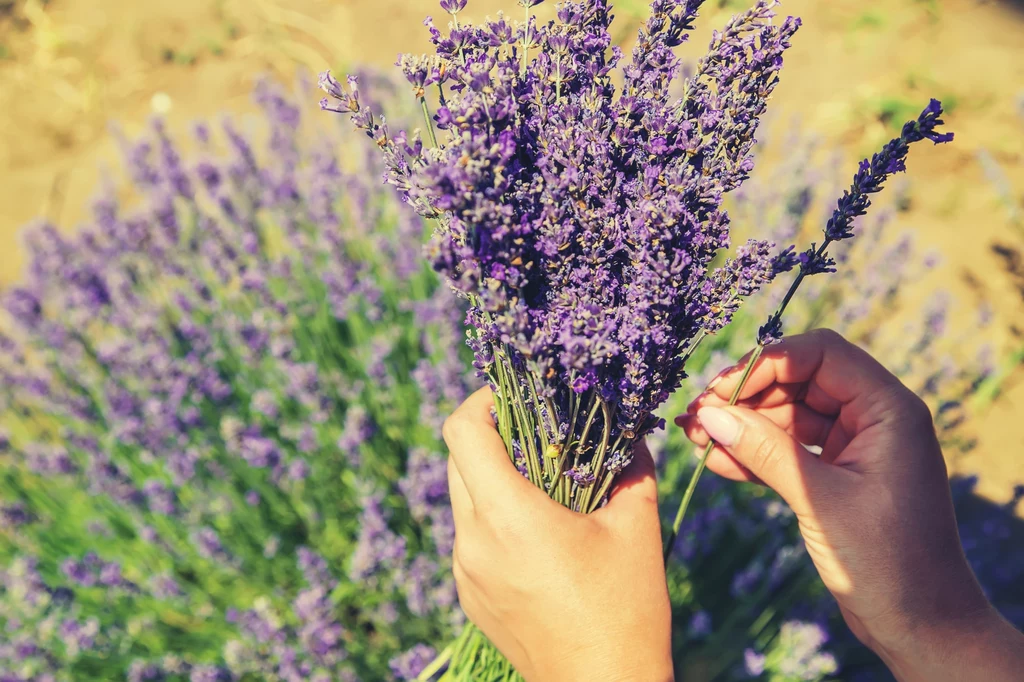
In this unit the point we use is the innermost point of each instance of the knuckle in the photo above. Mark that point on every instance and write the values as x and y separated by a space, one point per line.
470 560
464 590
766 453
458 572
828 337
918 410
911 410
451 428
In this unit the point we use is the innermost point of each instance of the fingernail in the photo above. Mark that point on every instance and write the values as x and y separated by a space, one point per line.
717 380
720 425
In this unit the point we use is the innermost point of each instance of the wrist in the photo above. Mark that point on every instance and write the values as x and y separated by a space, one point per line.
637 664
952 648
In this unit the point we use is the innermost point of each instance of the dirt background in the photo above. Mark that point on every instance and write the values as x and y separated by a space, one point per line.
68 68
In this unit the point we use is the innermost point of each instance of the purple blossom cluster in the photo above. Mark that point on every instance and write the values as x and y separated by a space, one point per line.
875 272
40 616
410 664
310 645
583 221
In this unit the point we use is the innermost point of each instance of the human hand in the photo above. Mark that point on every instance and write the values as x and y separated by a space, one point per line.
564 596
874 508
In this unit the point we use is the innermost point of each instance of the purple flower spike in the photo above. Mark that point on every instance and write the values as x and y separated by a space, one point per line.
453 6
871 175
771 332
870 179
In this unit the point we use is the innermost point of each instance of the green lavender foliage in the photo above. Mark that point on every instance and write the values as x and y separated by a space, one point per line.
220 417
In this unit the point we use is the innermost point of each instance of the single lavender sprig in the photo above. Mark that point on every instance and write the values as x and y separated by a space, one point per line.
869 179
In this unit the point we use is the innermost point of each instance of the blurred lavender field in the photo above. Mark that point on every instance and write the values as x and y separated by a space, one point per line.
220 397
220 409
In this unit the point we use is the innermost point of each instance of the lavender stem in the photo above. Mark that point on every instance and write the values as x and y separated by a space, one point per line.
670 541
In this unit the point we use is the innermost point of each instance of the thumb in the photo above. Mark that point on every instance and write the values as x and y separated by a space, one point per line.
770 453
479 454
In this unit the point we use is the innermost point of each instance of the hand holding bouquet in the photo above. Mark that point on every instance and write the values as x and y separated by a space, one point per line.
584 222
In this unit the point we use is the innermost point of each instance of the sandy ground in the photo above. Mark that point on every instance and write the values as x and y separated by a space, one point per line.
70 67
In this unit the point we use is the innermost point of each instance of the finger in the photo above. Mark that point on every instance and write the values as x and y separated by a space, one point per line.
479 453
719 461
798 420
775 395
770 453
726 466
808 393
840 369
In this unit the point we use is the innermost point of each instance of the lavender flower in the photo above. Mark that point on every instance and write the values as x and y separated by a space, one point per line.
753 663
453 6
182 359
700 624
796 654
378 548
871 175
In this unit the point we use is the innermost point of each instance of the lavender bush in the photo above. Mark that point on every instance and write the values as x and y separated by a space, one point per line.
221 407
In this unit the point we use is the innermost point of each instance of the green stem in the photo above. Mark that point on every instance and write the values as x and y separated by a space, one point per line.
595 405
605 487
692 486
606 413
563 486
527 40
557 486
429 122
501 405
670 541
543 430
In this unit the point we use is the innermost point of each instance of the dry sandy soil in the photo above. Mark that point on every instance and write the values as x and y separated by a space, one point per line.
70 67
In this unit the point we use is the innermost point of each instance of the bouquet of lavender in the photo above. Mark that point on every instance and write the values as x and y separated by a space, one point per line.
582 224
